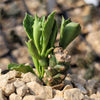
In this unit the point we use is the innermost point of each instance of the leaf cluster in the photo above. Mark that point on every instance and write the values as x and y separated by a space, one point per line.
42 35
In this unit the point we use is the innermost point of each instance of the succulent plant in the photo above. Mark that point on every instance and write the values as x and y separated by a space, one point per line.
50 62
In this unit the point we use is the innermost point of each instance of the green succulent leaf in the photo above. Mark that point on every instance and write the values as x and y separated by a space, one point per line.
64 22
53 34
37 32
41 37
70 32
36 63
21 68
43 20
28 23
32 49
47 29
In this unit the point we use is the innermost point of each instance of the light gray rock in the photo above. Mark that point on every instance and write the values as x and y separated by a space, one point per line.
30 4
97 66
37 89
83 90
3 81
94 97
98 92
13 74
21 55
29 77
58 93
86 97
73 94
32 97
21 91
94 41
47 92
4 62
2 95
9 89
14 97
18 83
90 86
57 98
77 79
67 87
13 9
3 47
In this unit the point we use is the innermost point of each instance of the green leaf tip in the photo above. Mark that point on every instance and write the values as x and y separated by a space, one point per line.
47 30
37 32
27 23
70 32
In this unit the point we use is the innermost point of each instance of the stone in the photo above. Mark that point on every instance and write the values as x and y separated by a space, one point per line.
86 97
10 22
3 81
73 94
18 32
83 90
57 93
9 89
97 66
2 95
90 86
67 81
42 11
3 47
37 89
94 97
47 92
13 74
57 98
29 77
32 97
21 91
94 41
98 92
15 97
13 10
4 62
18 83
30 4
77 79
22 55
67 87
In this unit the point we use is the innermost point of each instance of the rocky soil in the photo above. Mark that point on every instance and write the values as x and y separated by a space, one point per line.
18 86
85 50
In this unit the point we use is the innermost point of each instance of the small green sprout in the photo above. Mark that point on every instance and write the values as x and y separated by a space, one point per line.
42 35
